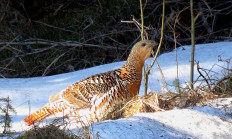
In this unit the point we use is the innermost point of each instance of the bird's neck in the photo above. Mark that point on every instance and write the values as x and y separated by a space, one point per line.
134 62
133 66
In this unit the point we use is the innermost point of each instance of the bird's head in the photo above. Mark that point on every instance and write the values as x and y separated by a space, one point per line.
140 52
143 49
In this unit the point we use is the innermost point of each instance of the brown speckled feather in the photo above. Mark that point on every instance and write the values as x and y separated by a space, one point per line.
99 94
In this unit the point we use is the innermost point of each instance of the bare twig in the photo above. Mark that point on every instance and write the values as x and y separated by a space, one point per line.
192 46
162 75
139 26
142 20
51 26
142 38
221 80
53 62
161 40
176 55
90 23
204 19
134 21
53 43
198 69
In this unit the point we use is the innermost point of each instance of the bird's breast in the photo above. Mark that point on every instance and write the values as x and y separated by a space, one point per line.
131 79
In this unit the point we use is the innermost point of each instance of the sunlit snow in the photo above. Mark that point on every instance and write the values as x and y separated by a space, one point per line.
212 121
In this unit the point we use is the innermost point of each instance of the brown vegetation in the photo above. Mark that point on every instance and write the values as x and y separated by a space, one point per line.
51 131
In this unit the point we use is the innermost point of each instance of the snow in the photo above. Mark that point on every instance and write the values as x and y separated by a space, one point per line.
211 121
184 123
194 122
208 56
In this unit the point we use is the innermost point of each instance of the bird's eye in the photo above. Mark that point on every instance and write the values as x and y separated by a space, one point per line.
143 44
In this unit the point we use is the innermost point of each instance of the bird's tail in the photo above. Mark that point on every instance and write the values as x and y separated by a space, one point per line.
47 110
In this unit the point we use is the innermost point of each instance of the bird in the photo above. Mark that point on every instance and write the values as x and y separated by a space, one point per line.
101 93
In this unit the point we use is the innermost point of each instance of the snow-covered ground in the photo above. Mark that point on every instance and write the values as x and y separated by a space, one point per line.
211 121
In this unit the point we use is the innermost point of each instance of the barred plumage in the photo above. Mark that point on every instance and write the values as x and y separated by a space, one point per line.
101 93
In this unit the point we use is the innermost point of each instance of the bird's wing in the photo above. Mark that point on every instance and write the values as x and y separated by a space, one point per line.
83 93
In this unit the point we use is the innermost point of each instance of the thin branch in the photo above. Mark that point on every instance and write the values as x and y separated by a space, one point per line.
51 26
142 21
204 19
53 62
192 46
146 73
161 40
221 80
53 43
162 75
198 69
176 55
139 26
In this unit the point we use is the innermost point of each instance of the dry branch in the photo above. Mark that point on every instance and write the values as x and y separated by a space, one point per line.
51 26
198 69
53 43
221 80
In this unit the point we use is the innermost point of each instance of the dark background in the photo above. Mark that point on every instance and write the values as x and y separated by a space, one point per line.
38 29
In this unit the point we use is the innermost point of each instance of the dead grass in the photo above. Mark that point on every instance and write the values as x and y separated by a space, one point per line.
53 131
223 86
48 132
158 102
